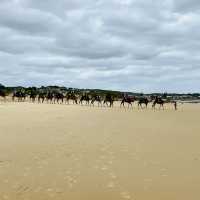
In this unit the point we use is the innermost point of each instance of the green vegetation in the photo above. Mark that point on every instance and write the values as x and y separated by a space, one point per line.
115 94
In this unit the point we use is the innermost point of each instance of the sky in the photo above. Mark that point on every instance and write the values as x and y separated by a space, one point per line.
128 45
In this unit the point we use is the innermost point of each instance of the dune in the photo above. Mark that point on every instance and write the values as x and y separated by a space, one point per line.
90 153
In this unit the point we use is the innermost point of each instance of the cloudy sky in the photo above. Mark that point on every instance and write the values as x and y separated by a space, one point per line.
132 45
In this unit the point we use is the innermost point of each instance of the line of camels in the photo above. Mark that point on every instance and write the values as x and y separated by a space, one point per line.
108 100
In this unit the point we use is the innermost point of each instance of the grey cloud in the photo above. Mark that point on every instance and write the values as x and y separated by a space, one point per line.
187 5
125 45
29 21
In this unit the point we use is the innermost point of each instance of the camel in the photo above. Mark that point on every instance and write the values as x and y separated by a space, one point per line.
85 98
41 97
143 100
128 100
33 96
96 98
71 96
108 100
49 97
20 95
3 94
58 97
158 101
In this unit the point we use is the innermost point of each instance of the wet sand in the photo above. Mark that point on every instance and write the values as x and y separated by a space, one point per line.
81 153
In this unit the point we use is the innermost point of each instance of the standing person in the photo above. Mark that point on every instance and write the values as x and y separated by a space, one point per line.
175 105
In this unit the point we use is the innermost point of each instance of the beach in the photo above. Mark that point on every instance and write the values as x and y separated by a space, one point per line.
52 151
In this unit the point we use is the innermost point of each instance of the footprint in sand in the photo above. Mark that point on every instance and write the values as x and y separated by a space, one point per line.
25 174
40 167
111 185
5 181
4 162
155 162
15 186
68 172
68 178
58 191
76 158
5 197
148 180
125 150
163 169
27 168
71 181
111 155
112 176
110 162
49 190
125 195
145 163
70 185
103 149
104 168
164 172
102 157
96 167
77 173
22 189
38 189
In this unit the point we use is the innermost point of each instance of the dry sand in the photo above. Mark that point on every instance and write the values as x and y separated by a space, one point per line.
81 153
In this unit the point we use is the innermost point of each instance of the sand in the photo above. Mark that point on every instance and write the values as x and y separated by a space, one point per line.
71 152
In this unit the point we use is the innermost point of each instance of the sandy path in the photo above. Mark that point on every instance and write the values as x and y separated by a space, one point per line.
81 153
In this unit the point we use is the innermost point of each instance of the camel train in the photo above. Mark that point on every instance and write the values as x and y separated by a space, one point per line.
59 97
